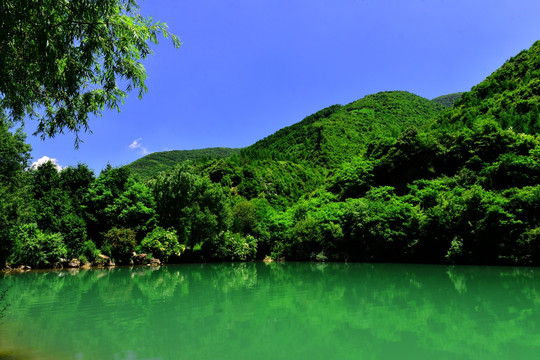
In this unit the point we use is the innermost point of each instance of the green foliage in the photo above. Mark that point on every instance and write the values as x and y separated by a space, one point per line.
14 153
448 100
33 247
115 199
14 194
280 182
90 252
511 95
121 243
338 133
66 59
244 217
352 179
373 180
191 204
410 157
162 244
234 247
153 164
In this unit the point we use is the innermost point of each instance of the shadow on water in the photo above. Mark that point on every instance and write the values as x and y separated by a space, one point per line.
275 310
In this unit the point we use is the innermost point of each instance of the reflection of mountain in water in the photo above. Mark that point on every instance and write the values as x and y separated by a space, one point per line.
289 310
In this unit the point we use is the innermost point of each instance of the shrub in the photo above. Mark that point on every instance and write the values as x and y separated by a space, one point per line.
35 248
235 247
121 243
161 243
90 252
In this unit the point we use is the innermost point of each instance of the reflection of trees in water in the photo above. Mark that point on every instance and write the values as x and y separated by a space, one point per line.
257 307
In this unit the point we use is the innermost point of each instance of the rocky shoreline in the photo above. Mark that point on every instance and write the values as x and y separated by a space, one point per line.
104 261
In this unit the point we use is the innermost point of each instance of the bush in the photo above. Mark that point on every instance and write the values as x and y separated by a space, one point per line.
235 247
90 252
35 248
121 243
161 243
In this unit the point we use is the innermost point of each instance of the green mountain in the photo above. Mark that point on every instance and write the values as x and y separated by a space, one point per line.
338 133
510 95
391 177
157 162
448 100
325 139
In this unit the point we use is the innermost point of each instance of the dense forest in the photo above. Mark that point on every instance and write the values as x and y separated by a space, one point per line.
153 163
391 177
448 100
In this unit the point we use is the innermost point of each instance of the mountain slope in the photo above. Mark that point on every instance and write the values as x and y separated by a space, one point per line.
154 163
337 133
510 95
448 100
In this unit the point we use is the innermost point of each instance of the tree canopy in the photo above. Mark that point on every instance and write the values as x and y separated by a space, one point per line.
61 60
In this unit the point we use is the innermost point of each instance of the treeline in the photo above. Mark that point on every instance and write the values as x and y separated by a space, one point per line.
471 196
391 177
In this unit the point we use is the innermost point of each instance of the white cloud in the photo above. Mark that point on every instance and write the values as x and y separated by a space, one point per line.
43 160
136 145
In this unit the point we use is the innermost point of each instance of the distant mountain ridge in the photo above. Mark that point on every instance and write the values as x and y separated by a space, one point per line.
337 133
448 100
509 96
154 163
326 138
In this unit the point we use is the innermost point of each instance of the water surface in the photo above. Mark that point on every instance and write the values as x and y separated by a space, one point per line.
274 311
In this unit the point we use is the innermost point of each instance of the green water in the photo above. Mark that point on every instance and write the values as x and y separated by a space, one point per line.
275 311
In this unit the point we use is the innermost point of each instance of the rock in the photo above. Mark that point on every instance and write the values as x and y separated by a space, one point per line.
25 268
154 262
74 263
57 266
86 266
139 258
108 260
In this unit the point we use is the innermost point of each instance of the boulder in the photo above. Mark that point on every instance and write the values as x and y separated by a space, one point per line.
139 259
154 262
74 263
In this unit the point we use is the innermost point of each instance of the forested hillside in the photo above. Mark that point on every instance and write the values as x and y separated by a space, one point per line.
391 177
448 100
338 133
510 96
154 163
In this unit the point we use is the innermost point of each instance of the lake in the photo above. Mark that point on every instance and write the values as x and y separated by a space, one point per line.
274 311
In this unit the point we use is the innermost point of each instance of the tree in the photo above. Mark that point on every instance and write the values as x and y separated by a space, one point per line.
14 155
191 204
61 61
115 200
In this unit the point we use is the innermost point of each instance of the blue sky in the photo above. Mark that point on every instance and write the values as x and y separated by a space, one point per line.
250 67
